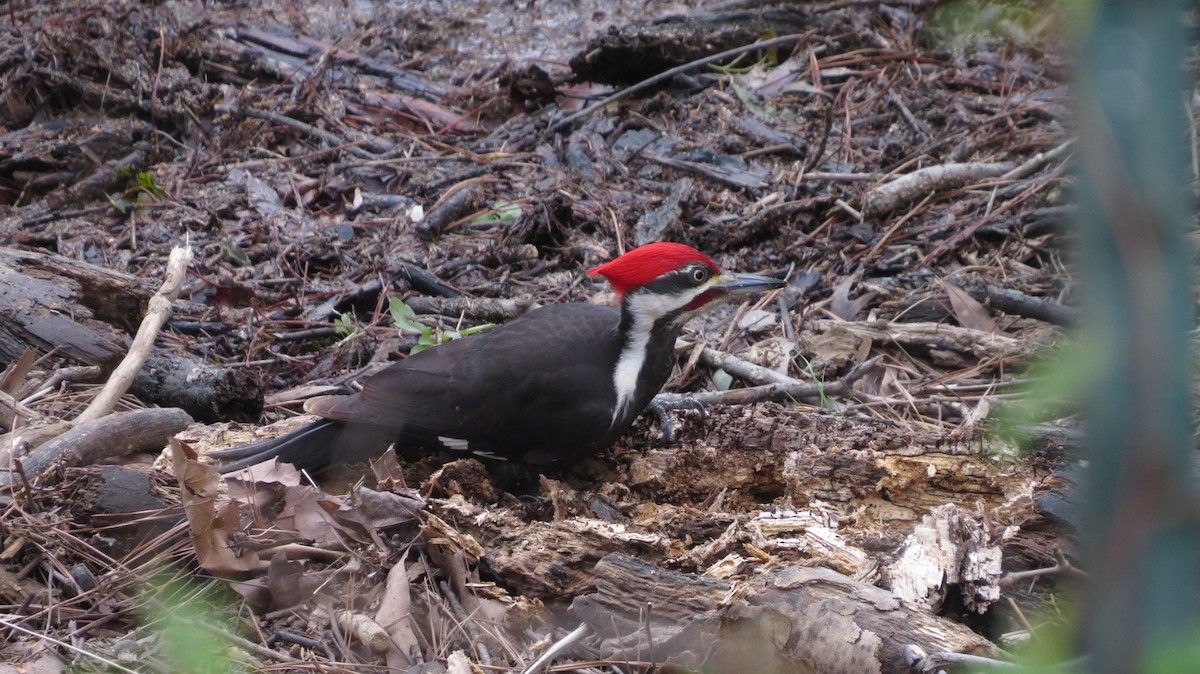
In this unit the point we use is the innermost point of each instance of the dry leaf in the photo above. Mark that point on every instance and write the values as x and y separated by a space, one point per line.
969 313
211 527
840 303
395 615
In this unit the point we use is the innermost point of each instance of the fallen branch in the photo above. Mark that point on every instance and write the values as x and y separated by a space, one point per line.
777 392
906 189
731 177
156 316
975 343
739 367
13 414
113 435
1020 304
1037 161
458 202
493 310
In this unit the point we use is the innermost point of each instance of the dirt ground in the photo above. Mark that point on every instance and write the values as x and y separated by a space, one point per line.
902 165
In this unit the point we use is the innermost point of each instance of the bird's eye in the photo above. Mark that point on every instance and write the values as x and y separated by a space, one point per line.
699 275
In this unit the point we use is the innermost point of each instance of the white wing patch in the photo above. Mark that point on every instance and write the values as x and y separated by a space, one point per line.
645 308
457 444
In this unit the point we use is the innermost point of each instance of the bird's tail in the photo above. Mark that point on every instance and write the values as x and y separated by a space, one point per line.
313 448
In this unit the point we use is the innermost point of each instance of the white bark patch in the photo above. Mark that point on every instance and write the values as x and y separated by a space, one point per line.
949 551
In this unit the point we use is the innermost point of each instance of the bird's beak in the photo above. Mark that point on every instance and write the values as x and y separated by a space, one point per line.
739 284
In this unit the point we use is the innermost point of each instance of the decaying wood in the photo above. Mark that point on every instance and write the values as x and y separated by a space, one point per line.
822 464
86 313
892 473
950 548
114 435
206 392
457 202
122 501
798 619
654 223
57 304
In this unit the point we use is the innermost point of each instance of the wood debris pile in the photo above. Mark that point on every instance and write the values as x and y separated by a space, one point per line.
328 170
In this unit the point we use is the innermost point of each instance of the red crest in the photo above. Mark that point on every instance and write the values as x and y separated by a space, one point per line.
642 265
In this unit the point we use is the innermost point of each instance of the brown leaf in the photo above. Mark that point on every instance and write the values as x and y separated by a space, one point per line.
841 305
309 509
211 527
395 615
969 313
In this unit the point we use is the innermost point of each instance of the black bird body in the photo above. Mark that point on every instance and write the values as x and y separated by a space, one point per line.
559 383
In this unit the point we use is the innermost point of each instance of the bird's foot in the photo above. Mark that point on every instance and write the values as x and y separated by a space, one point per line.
660 409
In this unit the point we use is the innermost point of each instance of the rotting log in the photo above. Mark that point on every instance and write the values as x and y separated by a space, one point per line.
637 51
85 313
821 479
759 452
122 501
206 392
796 620
55 303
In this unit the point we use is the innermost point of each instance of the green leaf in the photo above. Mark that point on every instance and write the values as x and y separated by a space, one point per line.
502 211
344 326
403 316
235 253
145 180
427 340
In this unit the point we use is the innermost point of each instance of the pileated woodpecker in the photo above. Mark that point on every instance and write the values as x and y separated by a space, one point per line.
553 386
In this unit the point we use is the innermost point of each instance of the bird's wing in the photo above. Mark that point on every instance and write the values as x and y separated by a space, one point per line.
542 387
412 393
475 393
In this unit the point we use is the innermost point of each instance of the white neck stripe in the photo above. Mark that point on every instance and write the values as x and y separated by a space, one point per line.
644 309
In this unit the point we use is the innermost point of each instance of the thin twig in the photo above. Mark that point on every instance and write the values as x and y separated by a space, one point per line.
143 342
556 649
777 392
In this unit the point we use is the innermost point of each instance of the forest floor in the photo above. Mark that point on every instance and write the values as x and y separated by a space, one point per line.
901 165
